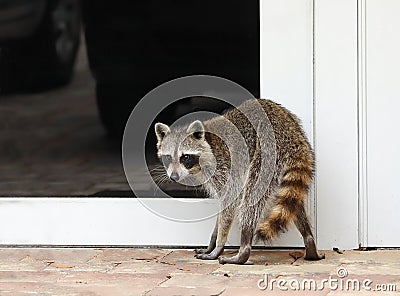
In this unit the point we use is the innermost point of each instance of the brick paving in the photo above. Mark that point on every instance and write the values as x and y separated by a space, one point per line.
92 271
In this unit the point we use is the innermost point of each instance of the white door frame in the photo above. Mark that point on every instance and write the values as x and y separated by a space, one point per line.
379 79
336 122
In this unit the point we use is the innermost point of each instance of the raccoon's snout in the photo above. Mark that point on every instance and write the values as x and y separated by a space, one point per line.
174 176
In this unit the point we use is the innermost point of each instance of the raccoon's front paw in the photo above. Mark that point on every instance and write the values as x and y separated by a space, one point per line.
206 256
201 251
222 260
232 260
212 256
239 258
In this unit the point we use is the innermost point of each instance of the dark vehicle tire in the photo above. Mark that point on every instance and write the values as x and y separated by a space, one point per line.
114 113
47 58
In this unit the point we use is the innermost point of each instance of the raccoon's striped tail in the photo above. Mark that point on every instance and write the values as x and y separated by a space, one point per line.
289 201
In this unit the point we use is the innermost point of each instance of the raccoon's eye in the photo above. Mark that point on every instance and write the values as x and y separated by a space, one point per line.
189 160
166 159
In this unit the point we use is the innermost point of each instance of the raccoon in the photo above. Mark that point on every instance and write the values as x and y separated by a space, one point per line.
225 156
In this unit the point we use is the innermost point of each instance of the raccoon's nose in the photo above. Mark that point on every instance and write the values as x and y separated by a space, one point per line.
174 176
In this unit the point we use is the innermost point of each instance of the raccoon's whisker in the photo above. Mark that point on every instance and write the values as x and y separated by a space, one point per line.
158 177
158 173
162 179
157 168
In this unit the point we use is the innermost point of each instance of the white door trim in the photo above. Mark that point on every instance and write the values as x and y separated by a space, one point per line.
362 125
336 126
76 221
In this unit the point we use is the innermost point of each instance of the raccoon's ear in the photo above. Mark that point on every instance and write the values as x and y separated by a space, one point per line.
161 130
196 128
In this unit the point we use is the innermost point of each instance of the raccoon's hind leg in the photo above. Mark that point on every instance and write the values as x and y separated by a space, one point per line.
303 225
290 206
224 222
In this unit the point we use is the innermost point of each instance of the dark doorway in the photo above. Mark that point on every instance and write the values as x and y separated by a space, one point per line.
135 46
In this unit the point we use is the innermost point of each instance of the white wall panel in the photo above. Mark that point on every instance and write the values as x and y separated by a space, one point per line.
336 144
286 56
382 119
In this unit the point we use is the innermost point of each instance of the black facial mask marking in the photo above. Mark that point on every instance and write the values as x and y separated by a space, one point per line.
189 160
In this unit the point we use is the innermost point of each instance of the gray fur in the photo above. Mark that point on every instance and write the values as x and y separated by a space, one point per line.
246 158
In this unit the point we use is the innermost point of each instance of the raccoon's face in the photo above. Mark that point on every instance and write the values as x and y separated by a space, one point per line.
184 152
